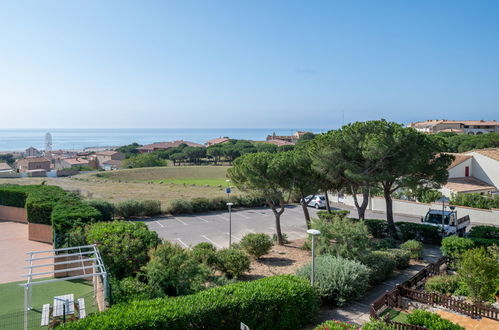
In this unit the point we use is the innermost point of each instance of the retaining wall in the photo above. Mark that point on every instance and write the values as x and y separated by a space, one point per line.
40 232
16 214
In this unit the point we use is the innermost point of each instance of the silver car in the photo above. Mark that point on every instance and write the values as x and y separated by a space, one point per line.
318 201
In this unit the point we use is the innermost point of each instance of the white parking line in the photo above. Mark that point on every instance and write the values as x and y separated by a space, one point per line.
235 237
206 238
241 215
202 219
218 215
159 223
185 245
180 221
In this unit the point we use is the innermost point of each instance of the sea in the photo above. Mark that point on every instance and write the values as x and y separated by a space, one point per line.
90 138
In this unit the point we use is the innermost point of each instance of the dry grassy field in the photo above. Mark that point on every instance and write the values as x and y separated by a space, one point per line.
178 182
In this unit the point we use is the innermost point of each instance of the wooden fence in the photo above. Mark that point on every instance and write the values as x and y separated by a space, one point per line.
392 298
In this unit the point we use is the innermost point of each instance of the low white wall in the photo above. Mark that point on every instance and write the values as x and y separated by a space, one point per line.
419 209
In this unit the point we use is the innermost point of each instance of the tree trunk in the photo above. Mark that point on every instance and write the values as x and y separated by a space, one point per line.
305 211
361 209
277 215
389 211
328 207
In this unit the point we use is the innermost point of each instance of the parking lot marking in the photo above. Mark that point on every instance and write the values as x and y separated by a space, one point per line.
202 219
159 223
241 215
180 221
185 245
206 238
218 215
235 237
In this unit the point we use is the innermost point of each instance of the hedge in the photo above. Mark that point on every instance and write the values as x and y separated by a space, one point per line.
325 215
377 227
419 232
488 232
280 302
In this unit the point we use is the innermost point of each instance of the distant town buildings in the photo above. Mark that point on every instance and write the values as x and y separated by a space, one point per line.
166 145
219 140
33 163
32 152
292 139
472 127
66 163
475 171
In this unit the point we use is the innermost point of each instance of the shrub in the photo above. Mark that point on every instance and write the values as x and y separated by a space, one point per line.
106 209
445 284
179 206
377 228
232 262
201 204
128 209
400 256
485 242
415 248
489 232
280 302
416 231
128 289
249 201
380 266
336 325
340 214
479 271
171 271
374 324
431 321
123 245
150 207
384 244
72 213
454 246
343 238
256 245
205 253
338 280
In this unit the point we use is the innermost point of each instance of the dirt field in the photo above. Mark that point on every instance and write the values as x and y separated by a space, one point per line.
141 184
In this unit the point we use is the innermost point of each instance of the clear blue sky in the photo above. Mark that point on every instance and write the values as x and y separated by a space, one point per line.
245 63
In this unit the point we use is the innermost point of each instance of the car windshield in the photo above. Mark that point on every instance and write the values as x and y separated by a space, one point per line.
437 218
322 198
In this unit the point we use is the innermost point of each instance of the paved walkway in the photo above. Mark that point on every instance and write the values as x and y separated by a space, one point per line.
14 244
358 312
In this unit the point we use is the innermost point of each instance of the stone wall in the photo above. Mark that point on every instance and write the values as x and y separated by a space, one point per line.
16 214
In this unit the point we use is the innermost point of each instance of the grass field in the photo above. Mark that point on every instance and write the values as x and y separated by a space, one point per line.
395 315
185 182
12 300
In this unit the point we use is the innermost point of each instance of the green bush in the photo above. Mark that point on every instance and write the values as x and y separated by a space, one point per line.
336 325
485 242
249 201
150 207
123 245
376 227
420 232
455 246
280 302
205 253
12 196
127 209
383 244
399 257
172 271
128 289
475 200
341 237
232 262
201 204
488 232
445 284
180 206
479 271
380 266
106 209
338 280
340 214
415 248
72 213
374 324
431 321
256 245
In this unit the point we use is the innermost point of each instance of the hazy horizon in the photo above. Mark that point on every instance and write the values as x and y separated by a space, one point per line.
212 64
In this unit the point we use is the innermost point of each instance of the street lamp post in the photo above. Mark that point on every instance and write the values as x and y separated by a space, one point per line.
230 223
444 201
314 233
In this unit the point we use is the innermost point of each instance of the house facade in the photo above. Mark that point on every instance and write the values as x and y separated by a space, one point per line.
33 163
475 171
70 163
166 145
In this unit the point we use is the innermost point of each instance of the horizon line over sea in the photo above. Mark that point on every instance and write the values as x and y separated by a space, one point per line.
19 139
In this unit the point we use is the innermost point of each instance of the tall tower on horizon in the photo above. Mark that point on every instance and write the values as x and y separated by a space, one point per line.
48 145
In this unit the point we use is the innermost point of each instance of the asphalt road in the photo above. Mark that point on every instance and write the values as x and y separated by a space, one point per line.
213 227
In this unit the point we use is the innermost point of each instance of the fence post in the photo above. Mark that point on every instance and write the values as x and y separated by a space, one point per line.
399 292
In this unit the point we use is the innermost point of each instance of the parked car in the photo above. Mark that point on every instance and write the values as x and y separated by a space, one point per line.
318 201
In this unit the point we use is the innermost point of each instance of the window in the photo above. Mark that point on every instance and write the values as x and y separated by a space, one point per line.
467 171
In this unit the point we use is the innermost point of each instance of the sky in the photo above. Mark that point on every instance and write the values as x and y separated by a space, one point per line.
258 63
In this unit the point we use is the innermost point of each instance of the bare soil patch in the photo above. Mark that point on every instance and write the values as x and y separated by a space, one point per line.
285 259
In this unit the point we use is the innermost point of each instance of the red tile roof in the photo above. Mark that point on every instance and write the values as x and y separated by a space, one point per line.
468 184
216 141
168 145
280 142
